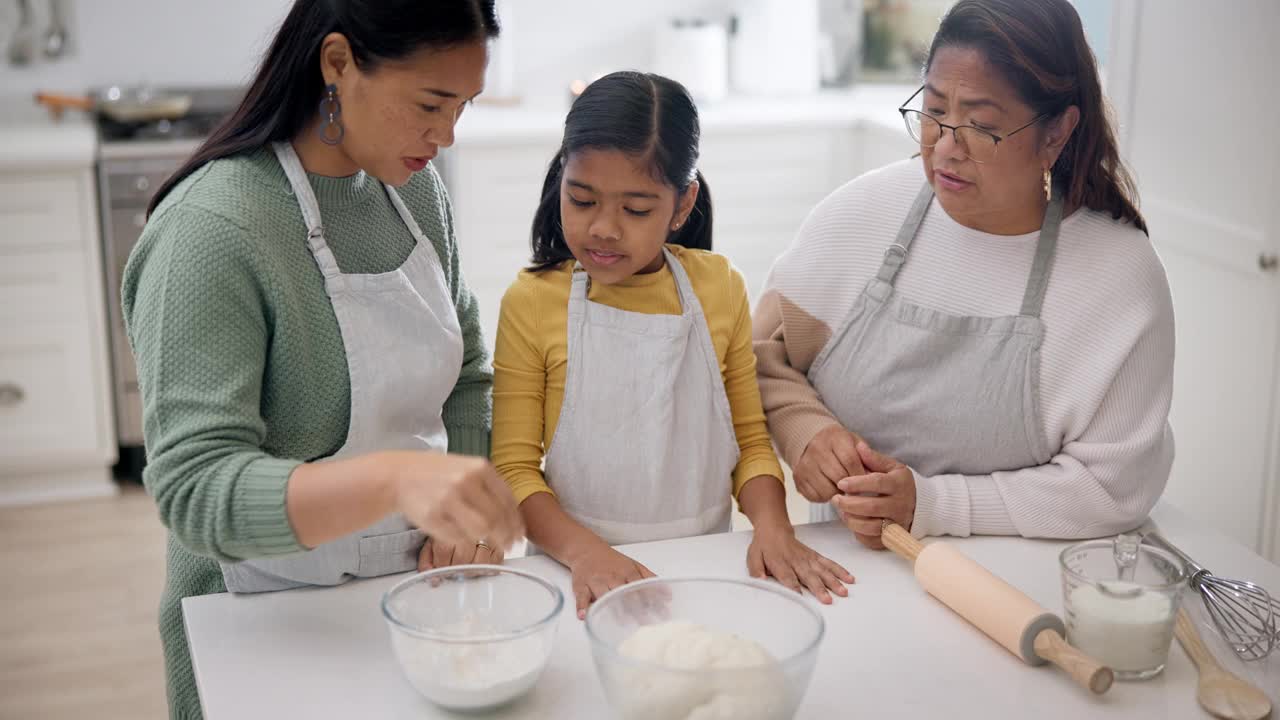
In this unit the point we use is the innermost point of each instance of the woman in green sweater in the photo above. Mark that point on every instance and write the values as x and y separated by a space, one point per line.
315 385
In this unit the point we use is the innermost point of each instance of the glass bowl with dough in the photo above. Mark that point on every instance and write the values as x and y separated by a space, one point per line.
472 637
704 648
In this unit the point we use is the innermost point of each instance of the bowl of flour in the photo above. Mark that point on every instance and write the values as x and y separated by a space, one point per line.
472 637
704 649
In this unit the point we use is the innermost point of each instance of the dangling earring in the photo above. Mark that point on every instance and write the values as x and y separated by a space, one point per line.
1048 185
331 109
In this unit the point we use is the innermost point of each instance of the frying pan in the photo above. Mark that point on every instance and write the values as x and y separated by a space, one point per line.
122 106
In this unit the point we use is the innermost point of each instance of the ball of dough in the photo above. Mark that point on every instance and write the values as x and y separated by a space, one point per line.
749 684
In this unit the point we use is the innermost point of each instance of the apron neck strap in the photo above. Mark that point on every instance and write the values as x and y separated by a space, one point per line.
581 283
301 186
896 255
1038 280
407 217
689 304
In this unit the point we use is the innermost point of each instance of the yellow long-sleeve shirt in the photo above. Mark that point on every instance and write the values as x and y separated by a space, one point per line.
531 358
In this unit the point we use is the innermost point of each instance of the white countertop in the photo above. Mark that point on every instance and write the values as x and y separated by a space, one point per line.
30 140
832 108
890 650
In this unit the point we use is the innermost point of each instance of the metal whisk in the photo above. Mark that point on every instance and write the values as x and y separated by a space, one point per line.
1245 614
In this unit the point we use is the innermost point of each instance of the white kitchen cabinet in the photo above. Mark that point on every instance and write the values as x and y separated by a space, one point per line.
1206 169
46 397
879 145
494 187
36 217
764 182
56 433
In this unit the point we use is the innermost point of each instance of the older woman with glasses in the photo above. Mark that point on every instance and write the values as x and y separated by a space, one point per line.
979 340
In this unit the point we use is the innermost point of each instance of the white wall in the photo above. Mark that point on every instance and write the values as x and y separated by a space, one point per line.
550 53
205 42
127 42
198 42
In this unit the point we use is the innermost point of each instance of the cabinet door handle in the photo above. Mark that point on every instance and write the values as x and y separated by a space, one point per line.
10 395
1268 262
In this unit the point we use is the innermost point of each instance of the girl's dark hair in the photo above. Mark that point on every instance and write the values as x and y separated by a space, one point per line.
285 93
1039 47
641 114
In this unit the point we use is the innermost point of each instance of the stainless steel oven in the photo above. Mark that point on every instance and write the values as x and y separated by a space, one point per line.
133 161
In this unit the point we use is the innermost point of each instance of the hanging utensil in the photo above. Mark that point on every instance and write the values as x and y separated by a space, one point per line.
1221 693
22 44
1245 614
55 39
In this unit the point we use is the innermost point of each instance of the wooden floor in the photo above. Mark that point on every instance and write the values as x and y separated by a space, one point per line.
80 584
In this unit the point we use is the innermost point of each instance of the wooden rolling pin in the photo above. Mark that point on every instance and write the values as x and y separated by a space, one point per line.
996 608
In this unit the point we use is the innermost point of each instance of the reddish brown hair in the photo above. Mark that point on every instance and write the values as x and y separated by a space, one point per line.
1039 48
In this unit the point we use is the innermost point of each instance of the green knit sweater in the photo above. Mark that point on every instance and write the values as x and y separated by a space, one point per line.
241 363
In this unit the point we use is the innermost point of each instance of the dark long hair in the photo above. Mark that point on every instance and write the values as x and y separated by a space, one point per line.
285 93
1040 49
641 114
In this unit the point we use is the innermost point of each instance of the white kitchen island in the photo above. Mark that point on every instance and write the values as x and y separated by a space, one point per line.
890 650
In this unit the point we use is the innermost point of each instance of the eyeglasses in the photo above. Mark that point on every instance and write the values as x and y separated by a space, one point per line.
979 145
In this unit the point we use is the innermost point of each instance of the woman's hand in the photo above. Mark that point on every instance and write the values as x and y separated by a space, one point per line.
454 499
775 552
459 501
831 456
440 554
887 491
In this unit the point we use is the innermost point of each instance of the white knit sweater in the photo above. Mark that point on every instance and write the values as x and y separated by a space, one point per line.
1106 371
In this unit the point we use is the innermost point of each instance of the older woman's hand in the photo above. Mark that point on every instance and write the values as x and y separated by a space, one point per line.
887 491
831 456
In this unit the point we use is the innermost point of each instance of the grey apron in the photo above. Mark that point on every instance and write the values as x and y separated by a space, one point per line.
404 353
645 447
942 393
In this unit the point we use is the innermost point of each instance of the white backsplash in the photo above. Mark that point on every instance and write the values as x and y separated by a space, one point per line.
126 42
205 43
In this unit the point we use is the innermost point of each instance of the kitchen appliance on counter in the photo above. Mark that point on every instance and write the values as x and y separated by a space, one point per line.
134 158
775 47
694 52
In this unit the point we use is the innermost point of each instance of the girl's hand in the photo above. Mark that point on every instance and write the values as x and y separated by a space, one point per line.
775 552
600 570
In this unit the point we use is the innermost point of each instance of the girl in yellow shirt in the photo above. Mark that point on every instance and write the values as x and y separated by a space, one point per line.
626 407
